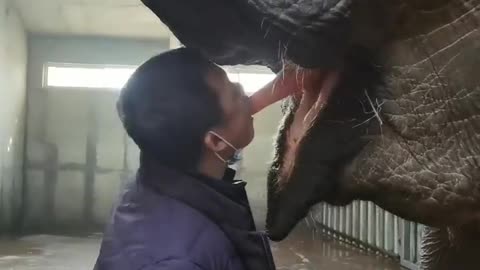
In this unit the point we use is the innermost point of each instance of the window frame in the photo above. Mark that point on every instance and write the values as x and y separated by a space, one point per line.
47 65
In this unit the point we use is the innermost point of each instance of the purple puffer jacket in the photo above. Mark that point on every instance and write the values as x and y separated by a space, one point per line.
170 220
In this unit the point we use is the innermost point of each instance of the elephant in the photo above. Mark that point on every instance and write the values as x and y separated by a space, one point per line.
399 125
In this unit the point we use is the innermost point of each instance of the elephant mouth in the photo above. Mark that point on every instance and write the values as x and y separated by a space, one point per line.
321 135
310 105
284 181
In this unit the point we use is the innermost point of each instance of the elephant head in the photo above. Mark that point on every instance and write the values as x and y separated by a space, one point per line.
401 126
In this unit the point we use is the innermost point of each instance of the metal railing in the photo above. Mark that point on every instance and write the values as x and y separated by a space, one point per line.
367 226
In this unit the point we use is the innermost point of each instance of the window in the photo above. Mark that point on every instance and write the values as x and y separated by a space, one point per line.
114 77
251 82
87 76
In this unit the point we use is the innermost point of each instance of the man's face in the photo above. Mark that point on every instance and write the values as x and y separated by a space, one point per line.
237 127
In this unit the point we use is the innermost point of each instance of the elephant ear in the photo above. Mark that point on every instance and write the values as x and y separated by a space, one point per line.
264 32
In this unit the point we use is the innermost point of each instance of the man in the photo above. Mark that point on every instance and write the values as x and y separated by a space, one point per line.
184 211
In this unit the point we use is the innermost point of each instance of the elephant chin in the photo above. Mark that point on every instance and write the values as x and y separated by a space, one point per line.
282 219
280 225
287 207
291 201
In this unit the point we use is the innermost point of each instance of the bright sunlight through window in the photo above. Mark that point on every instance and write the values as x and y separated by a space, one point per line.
251 82
88 77
115 77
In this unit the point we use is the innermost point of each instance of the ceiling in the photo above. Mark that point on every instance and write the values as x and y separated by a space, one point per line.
114 18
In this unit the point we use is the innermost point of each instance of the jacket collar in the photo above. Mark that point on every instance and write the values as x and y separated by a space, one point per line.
199 195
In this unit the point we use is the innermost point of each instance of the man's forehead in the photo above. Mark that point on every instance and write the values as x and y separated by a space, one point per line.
217 69
217 77
218 80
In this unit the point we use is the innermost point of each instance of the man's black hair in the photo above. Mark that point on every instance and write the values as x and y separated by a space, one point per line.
167 107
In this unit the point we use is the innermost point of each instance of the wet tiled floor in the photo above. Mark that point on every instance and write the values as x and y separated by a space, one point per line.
304 250
301 251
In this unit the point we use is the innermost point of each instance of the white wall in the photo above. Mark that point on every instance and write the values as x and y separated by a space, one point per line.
13 59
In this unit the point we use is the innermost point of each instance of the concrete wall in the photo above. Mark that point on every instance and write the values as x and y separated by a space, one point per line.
76 149
13 59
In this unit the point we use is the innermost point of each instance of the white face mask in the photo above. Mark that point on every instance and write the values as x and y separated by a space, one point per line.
236 156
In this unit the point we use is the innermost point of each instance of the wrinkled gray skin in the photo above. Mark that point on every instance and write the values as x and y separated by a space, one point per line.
418 61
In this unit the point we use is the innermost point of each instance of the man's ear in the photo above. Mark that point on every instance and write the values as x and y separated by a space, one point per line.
213 143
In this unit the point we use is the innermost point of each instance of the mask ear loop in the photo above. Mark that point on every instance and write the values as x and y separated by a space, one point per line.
219 157
225 141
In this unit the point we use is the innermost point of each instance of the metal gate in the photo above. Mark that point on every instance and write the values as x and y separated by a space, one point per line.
367 226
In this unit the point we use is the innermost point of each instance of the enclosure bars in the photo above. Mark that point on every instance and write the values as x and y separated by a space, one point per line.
369 227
